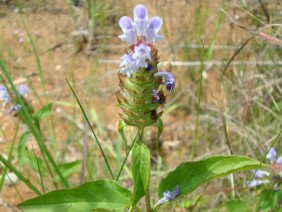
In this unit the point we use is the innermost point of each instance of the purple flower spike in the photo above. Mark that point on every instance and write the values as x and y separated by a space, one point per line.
153 28
128 28
169 79
23 90
141 19
271 155
4 95
141 54
128 65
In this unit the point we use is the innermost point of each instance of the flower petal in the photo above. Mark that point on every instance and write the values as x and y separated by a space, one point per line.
140 12
141 19
279 160
254 183
128 28
271 155
260 173
169 79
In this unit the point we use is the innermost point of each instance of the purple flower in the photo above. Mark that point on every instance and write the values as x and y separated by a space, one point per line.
271 155
15 108
141 54
23 90
4 95
168 195
169 79
155 95
128 28
260 173
261 176
254 183
141 26
128 65
153 28
141 19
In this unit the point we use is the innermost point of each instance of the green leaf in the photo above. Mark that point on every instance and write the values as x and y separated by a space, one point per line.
101 194
241 206
68 169
44 112
268 200
21 148
121 125
140 171
159 124
190 175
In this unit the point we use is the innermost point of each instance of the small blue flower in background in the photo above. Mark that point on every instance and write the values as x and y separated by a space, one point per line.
14 108
168 195
23 90
263 177
169 79
4 95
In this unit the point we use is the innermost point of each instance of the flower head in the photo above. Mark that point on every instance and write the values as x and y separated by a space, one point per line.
271 155
263 177
169 79
23 90
168 195
14 108
4 95
141 27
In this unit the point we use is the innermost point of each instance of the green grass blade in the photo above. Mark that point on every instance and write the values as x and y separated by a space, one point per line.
30 123
94 134
199 101
19 175
9 158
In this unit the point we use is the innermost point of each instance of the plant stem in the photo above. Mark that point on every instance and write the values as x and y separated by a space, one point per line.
148 202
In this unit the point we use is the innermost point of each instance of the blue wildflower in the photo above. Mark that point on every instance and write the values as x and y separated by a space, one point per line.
153 28
141 19
262 177
4 95
23 90
14 108
168 195
128 65
140 27
169 79
141 54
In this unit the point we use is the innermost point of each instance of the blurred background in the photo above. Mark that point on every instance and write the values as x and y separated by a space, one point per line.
42 42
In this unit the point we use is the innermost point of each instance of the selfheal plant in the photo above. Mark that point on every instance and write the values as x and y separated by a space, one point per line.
140 78
142 91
